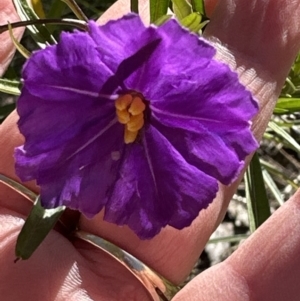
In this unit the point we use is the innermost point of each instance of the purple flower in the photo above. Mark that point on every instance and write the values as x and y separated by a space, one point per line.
139 120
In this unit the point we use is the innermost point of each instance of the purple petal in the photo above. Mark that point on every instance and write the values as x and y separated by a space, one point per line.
203 149
81 180
197 130
70 71
167 63
117 34
156 187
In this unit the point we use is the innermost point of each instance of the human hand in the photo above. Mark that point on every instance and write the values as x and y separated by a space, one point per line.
254 41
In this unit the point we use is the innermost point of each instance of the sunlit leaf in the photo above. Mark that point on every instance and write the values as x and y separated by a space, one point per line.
287 105
296 66
272 187
162 20
39 32
192 22
17 44
288 139
231 239
181 8
38 8
10 86
277 172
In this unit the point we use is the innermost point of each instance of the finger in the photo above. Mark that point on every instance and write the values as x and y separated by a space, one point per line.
57 271
260 40
210 6
265 267
173 252
7 49
10 138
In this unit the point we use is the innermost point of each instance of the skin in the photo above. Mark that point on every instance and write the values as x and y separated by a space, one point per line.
258 39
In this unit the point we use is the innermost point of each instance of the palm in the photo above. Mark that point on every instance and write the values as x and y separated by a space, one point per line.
256 41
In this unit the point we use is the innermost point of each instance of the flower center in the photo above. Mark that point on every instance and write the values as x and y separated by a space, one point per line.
130 112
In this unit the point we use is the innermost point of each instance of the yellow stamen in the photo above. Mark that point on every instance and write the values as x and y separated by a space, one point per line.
136 122
123 102
123 116
129 136
130 112
137 106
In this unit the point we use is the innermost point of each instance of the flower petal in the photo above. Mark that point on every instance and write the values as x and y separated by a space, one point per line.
203 149
156 187
122 35
53 72
167 65
80 181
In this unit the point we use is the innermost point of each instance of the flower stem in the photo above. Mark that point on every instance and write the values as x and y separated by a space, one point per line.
75 23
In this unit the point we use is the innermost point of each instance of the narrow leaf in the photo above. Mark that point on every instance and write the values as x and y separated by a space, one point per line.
39 32
38 8
198 6
231 239
288 139
10 86
192 22
26 54
287 105
37 225
296 66
162 20
273 187
181 8
158 8
274 170
257 201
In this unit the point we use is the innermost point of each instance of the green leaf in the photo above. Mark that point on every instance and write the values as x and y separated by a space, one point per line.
272 186
296 66
277 172
23 51
39 32
134 6
181 8
231 239
56 9
192 22
37 225
257 201
10 86
162 20
6 110
38 8
198 6
288 139
286 105
158 8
